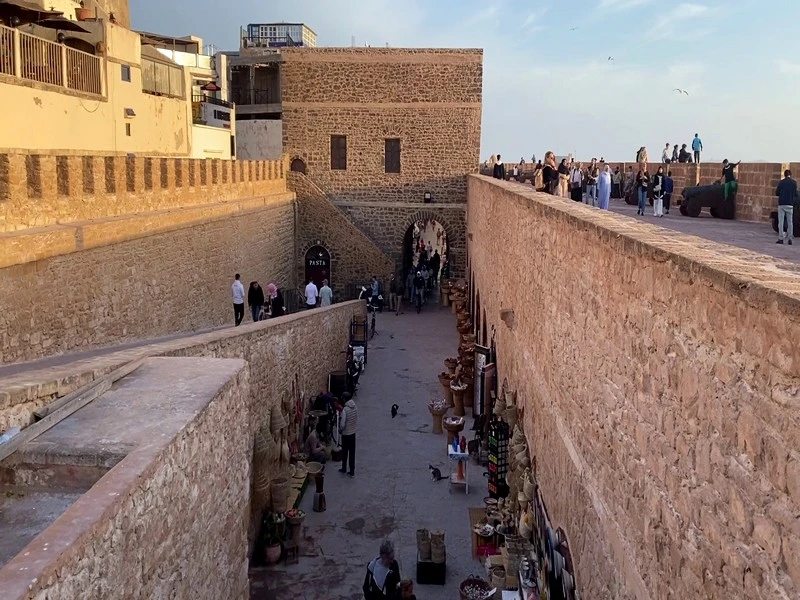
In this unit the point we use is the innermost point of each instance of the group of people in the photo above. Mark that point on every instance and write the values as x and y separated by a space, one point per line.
317 296
261 306
676 156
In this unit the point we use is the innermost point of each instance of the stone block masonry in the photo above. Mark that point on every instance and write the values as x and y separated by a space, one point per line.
152 286
659 376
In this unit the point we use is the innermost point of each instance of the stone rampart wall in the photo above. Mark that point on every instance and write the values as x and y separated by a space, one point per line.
659 376
152 286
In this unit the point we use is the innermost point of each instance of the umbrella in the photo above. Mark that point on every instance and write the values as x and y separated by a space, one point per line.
27 11
62 24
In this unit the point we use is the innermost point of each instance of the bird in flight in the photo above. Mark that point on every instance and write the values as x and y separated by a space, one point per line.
573 29
610 58
680 91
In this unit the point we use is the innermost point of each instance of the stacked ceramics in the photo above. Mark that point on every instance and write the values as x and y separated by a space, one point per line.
446 379
450 364
438 408
458 397
445 289
438 552
424 544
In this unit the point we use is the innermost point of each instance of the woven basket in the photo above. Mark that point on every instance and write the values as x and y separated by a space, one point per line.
278 421
261 448
280 495
473 582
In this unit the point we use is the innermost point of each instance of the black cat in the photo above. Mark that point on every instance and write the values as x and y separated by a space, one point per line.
436 474
395 408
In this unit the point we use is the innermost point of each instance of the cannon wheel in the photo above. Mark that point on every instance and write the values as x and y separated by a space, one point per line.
693 208
728 210
682 208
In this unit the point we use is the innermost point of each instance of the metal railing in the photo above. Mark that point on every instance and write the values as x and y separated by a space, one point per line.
31 57
211 100
6 50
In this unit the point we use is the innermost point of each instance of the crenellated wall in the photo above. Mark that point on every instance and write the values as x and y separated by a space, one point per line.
659 376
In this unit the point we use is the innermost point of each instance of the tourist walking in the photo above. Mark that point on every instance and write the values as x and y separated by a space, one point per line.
276 306
669 186
728 178
665 155
697 147
419 290
787 196
642 185
396 289
311 294
325 294
616 183
237 291
592 175
255 299
675 153
563 178
658 193
630 183
576 182
348 422
604 188
436 262
383 575
499 169
410 285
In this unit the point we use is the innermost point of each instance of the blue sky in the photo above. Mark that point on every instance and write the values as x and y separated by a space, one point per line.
547 86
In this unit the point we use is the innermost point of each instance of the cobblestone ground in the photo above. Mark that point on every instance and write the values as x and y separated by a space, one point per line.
392 494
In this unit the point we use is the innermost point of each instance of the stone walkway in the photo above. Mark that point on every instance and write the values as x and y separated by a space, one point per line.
392 494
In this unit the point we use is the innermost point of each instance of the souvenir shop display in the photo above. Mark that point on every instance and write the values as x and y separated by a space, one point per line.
498 458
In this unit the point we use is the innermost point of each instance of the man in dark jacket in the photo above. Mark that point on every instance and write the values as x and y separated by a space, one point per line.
787 196
669 186
684 156
499 171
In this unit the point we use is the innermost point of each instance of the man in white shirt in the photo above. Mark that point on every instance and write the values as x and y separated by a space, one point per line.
237 290
311 294
325 294
665 155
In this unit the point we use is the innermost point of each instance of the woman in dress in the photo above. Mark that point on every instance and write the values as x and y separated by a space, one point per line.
604 188
549 173
563 178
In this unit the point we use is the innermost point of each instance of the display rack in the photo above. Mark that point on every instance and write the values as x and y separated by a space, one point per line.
459 476
498 458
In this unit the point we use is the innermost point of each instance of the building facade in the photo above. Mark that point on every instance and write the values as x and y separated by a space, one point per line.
279 35
387 151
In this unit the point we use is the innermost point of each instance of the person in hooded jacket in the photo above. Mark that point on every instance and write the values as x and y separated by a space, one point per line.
255 299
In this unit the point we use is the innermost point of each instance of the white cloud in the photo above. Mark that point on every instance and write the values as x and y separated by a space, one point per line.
788 68
621 4
666 24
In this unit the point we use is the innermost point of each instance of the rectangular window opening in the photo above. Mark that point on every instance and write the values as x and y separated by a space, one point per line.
392 155
338 152
128 129
126 72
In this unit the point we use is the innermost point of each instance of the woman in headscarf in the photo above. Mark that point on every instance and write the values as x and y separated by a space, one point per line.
563 178
276 307
604 188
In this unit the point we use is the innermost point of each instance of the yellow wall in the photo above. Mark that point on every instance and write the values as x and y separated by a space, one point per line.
49 121
210 142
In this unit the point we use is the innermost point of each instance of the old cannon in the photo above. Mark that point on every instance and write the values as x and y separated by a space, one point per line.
697 197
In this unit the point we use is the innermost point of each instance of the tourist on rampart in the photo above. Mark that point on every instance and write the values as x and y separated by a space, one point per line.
275 302
787 196
576 182
348 422
665 155
728 178
237 291
669 186
604 188
683 155
675 153
499 169
697 147
658 193
255 299
550 173
641 158
592 175
563 178
642 185
616 183
630 183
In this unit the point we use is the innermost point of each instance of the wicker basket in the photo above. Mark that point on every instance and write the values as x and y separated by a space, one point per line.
280 495
473 583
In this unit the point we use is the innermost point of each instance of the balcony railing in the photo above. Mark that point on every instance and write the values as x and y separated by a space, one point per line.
211 100
162 79
30 57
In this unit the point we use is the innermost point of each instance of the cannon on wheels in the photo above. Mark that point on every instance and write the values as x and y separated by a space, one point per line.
712 196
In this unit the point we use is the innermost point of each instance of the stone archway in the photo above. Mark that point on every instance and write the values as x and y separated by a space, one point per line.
298 165
446 227
317 265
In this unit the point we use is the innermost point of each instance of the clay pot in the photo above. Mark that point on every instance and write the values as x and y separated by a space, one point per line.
450 364
83 14
273 554
468 338
458 398
446 379
437 414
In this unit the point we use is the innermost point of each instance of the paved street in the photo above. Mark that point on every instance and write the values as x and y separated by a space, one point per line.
392 494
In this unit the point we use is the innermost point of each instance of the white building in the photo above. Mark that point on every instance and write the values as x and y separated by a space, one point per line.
278 35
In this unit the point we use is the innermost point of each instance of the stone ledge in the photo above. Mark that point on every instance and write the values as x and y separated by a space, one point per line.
41 243
756 279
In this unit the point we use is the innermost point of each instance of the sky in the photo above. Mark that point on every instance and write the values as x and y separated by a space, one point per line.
547 80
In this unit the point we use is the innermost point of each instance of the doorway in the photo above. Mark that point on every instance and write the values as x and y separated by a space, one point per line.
428 235
318 265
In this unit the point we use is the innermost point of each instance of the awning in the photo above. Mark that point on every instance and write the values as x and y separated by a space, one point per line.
23 6
61 24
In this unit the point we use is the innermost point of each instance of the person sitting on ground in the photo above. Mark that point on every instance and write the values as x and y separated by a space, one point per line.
313 447
684 156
